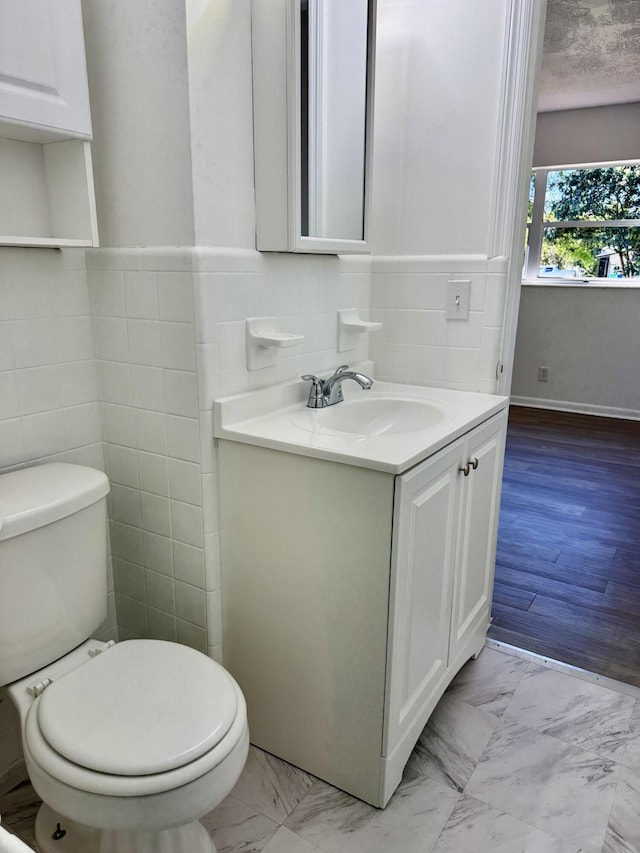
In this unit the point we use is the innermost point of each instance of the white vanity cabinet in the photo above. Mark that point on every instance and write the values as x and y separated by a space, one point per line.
352 596
45 126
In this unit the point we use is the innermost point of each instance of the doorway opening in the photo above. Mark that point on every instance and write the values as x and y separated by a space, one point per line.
567 582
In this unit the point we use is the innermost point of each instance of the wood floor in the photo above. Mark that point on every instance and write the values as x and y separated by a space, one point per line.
19 804
568 563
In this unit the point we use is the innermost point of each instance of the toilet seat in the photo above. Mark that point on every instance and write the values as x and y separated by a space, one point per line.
85 729
141 707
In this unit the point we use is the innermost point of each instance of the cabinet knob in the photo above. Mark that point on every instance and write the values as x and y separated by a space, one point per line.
465 469
474 463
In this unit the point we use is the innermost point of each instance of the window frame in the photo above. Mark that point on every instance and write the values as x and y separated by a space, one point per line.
536 228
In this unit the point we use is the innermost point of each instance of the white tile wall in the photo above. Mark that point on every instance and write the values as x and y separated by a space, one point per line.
417 343
48 399
142 301
49 406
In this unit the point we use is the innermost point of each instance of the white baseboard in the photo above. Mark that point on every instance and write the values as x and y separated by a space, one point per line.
578 408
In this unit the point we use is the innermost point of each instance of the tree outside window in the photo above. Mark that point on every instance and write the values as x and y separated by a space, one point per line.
585 223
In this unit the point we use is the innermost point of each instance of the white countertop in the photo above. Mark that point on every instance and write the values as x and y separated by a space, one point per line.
277 418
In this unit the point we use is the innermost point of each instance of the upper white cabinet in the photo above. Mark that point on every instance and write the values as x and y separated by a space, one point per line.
313 94
43 78
47 194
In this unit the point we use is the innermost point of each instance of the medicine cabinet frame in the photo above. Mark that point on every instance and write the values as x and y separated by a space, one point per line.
277 112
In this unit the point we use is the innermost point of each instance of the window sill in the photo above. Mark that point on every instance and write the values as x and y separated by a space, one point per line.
585 284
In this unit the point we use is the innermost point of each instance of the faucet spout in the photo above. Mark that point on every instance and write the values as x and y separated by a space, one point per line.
328 392
333 386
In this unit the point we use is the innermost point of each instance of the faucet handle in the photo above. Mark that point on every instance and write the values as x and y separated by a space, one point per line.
338 371
316 392
309 377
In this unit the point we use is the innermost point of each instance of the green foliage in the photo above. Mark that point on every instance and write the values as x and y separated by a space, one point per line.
608 193
590 195
532 192
564 250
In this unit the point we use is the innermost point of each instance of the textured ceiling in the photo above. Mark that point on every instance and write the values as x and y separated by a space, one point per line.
591 54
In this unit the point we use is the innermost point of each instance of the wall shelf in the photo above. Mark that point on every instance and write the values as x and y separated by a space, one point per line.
47 195
264 340
351 328
44 242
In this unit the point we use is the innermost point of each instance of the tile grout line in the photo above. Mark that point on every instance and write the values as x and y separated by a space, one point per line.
477 795
613 801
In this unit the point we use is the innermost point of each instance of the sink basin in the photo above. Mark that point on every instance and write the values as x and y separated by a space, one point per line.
391 428
372 416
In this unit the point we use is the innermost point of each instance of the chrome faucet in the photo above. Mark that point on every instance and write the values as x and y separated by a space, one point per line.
328 392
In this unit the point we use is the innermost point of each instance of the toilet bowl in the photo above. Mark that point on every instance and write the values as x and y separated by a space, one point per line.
132 739
130 743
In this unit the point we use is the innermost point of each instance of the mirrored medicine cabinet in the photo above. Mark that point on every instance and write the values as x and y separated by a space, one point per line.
313 64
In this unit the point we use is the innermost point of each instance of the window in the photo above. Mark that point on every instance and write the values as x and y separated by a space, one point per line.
584 223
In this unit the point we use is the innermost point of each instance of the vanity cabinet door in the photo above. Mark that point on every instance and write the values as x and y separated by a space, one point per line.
476 539
426 505
43 77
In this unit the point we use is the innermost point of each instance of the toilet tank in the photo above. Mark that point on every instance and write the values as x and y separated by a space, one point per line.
53 563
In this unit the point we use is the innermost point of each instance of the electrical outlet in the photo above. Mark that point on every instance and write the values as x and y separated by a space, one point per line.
543 374
458 299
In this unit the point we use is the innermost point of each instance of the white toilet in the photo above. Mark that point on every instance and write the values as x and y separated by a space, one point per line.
128 744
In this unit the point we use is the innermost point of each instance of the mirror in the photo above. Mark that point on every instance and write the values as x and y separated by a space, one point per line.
313 92
333 116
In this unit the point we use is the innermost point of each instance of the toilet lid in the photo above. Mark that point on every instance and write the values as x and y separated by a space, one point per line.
141 707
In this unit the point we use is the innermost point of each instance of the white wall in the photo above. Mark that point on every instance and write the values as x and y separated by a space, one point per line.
570 137
436 135
171 94
588 335
588 338
138 86
438 87
439 72
221 116
417 343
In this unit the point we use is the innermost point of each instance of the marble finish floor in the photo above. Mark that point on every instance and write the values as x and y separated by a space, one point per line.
518 757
